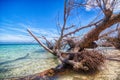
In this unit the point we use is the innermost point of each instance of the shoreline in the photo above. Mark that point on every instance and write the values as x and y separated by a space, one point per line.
32 65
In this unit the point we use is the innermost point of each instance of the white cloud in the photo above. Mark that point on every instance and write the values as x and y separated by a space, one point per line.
15 38
93 3
22 30
88 8
6 37
45 32
19 33
23 25
117 6
2 29
90 4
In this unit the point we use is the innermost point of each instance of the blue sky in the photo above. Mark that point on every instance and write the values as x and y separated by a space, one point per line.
38 15
17 15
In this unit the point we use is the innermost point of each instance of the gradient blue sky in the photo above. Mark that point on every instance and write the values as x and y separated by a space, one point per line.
17 15
38 15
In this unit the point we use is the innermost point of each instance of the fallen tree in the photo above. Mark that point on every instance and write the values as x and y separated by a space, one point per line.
77 57
113 40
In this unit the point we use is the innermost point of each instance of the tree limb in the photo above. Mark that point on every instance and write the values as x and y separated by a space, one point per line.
94 33
80 28
44 46
105 34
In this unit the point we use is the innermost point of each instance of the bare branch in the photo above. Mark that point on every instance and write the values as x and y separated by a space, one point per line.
67 10
45 47
70 27
88 38
49 44
105 34
89 25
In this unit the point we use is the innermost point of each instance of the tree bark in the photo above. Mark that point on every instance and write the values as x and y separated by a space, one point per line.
94 33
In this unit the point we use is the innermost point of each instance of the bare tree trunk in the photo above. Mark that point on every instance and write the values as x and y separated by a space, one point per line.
94 33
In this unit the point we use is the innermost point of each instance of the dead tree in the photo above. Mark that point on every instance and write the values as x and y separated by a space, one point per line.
77 57
113 40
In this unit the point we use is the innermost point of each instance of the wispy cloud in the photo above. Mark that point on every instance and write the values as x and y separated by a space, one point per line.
2 29
117 6
21 34
15 38
16 32
93 4
22 30
48 33
23 25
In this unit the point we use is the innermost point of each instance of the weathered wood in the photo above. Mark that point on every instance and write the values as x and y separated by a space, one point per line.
93 35
44 46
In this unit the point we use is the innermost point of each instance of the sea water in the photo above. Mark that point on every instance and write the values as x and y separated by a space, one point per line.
24 59
27 59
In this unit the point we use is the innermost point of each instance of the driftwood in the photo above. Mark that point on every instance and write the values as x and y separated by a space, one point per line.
77 57
112 41
115 41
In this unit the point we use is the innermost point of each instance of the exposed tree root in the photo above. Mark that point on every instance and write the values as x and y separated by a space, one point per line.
88 61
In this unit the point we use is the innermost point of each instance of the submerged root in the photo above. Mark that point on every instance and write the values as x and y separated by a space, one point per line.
88 61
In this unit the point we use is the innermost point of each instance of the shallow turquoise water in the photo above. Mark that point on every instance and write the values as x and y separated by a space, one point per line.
13 51
24 59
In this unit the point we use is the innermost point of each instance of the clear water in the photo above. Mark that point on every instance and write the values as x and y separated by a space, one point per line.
24 59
